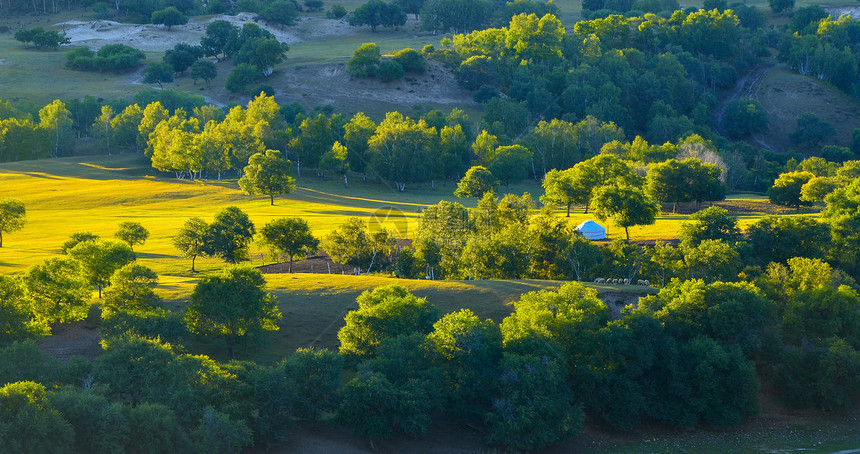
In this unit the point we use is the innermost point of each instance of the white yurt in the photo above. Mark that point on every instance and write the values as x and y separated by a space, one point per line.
592 230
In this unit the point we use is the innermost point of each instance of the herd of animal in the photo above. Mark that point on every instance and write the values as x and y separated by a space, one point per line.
624 281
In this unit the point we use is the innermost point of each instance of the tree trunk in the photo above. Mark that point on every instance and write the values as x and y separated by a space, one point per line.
345 182
193 258
568 208
1 238
586 208
291 263
627 233
272 199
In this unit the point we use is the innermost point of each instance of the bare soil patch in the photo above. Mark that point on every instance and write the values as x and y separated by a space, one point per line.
786 95
72 339
331 84
158 38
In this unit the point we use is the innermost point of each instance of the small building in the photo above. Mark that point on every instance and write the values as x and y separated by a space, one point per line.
591 230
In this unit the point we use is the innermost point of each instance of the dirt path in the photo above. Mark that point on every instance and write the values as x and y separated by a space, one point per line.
747 87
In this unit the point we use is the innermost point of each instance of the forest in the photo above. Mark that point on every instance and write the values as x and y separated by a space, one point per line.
631 115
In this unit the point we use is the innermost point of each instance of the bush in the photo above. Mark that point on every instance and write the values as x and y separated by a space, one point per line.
265 89
118 57
241 76
411 60
389 70
485 93
337 11
364 60
314 5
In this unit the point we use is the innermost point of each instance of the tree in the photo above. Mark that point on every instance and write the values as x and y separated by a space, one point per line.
218 34
477 181
811 132
12 216
778 6
627 205
467 351
229 235
316 375
99 259
779 238
158 72
364 60
182 56
56 120
411 60
384 312
280 12
232 304
816 189
241 76
131 290
561 188
389 70
268 174
509 163
57 292
290 236
132 233
169 16
29 422
712 223
744 116
786 189
842 212
77 238
534 407
15 320
598 171
190 241
203 69
352 244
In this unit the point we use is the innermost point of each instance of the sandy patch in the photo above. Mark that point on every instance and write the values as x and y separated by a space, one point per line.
157 38
853 11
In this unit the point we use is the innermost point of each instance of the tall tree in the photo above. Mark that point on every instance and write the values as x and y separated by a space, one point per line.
99 259
232 304
268 174
132 233
477 181
786 189
57 291
12 216
628 206
190 241
229 235
290 236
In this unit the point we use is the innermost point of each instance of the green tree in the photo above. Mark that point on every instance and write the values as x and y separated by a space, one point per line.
779 238
241 76
335 160
131 290
369 405
29 422
182 56
842 212
477 181
269 174
56 121
411 60
778 6
99 259
384 312
811 132
560 187
229 235
364 60
190 241
599 171
57 291
509 163
389 70
102 126
628 206
77 238
12 216
15 320
232 304
744 116
280 12
218 34
158 72
169 16
203 69
290 236
316 375
132 233
442 234
816 189
786 189
467 351
535 406
712 223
